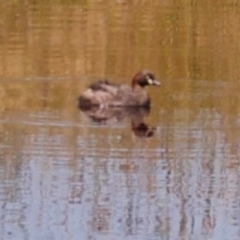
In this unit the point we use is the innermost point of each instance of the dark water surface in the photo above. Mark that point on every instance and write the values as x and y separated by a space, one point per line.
64 175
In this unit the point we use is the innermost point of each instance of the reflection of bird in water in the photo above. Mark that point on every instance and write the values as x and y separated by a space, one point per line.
103 93
142 129
136 114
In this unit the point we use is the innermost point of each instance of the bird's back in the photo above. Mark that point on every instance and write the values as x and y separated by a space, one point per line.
105 93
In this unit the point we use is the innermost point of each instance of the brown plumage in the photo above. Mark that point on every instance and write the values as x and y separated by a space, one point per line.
104 93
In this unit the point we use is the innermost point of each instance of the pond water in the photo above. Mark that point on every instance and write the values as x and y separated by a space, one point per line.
172 172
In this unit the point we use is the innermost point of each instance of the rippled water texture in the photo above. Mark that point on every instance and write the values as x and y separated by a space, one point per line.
168 173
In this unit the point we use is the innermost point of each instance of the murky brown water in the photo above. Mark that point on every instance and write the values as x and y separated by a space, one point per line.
64 176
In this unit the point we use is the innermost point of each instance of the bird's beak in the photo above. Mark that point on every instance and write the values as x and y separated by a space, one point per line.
153 81
156 82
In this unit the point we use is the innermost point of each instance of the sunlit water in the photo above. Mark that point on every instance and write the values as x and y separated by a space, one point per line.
64 175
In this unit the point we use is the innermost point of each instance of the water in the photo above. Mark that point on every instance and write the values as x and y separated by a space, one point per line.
66 175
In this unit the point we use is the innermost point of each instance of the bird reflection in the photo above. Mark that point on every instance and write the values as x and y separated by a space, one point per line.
116 114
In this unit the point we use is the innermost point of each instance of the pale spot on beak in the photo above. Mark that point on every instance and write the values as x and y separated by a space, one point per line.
149 80
152 81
